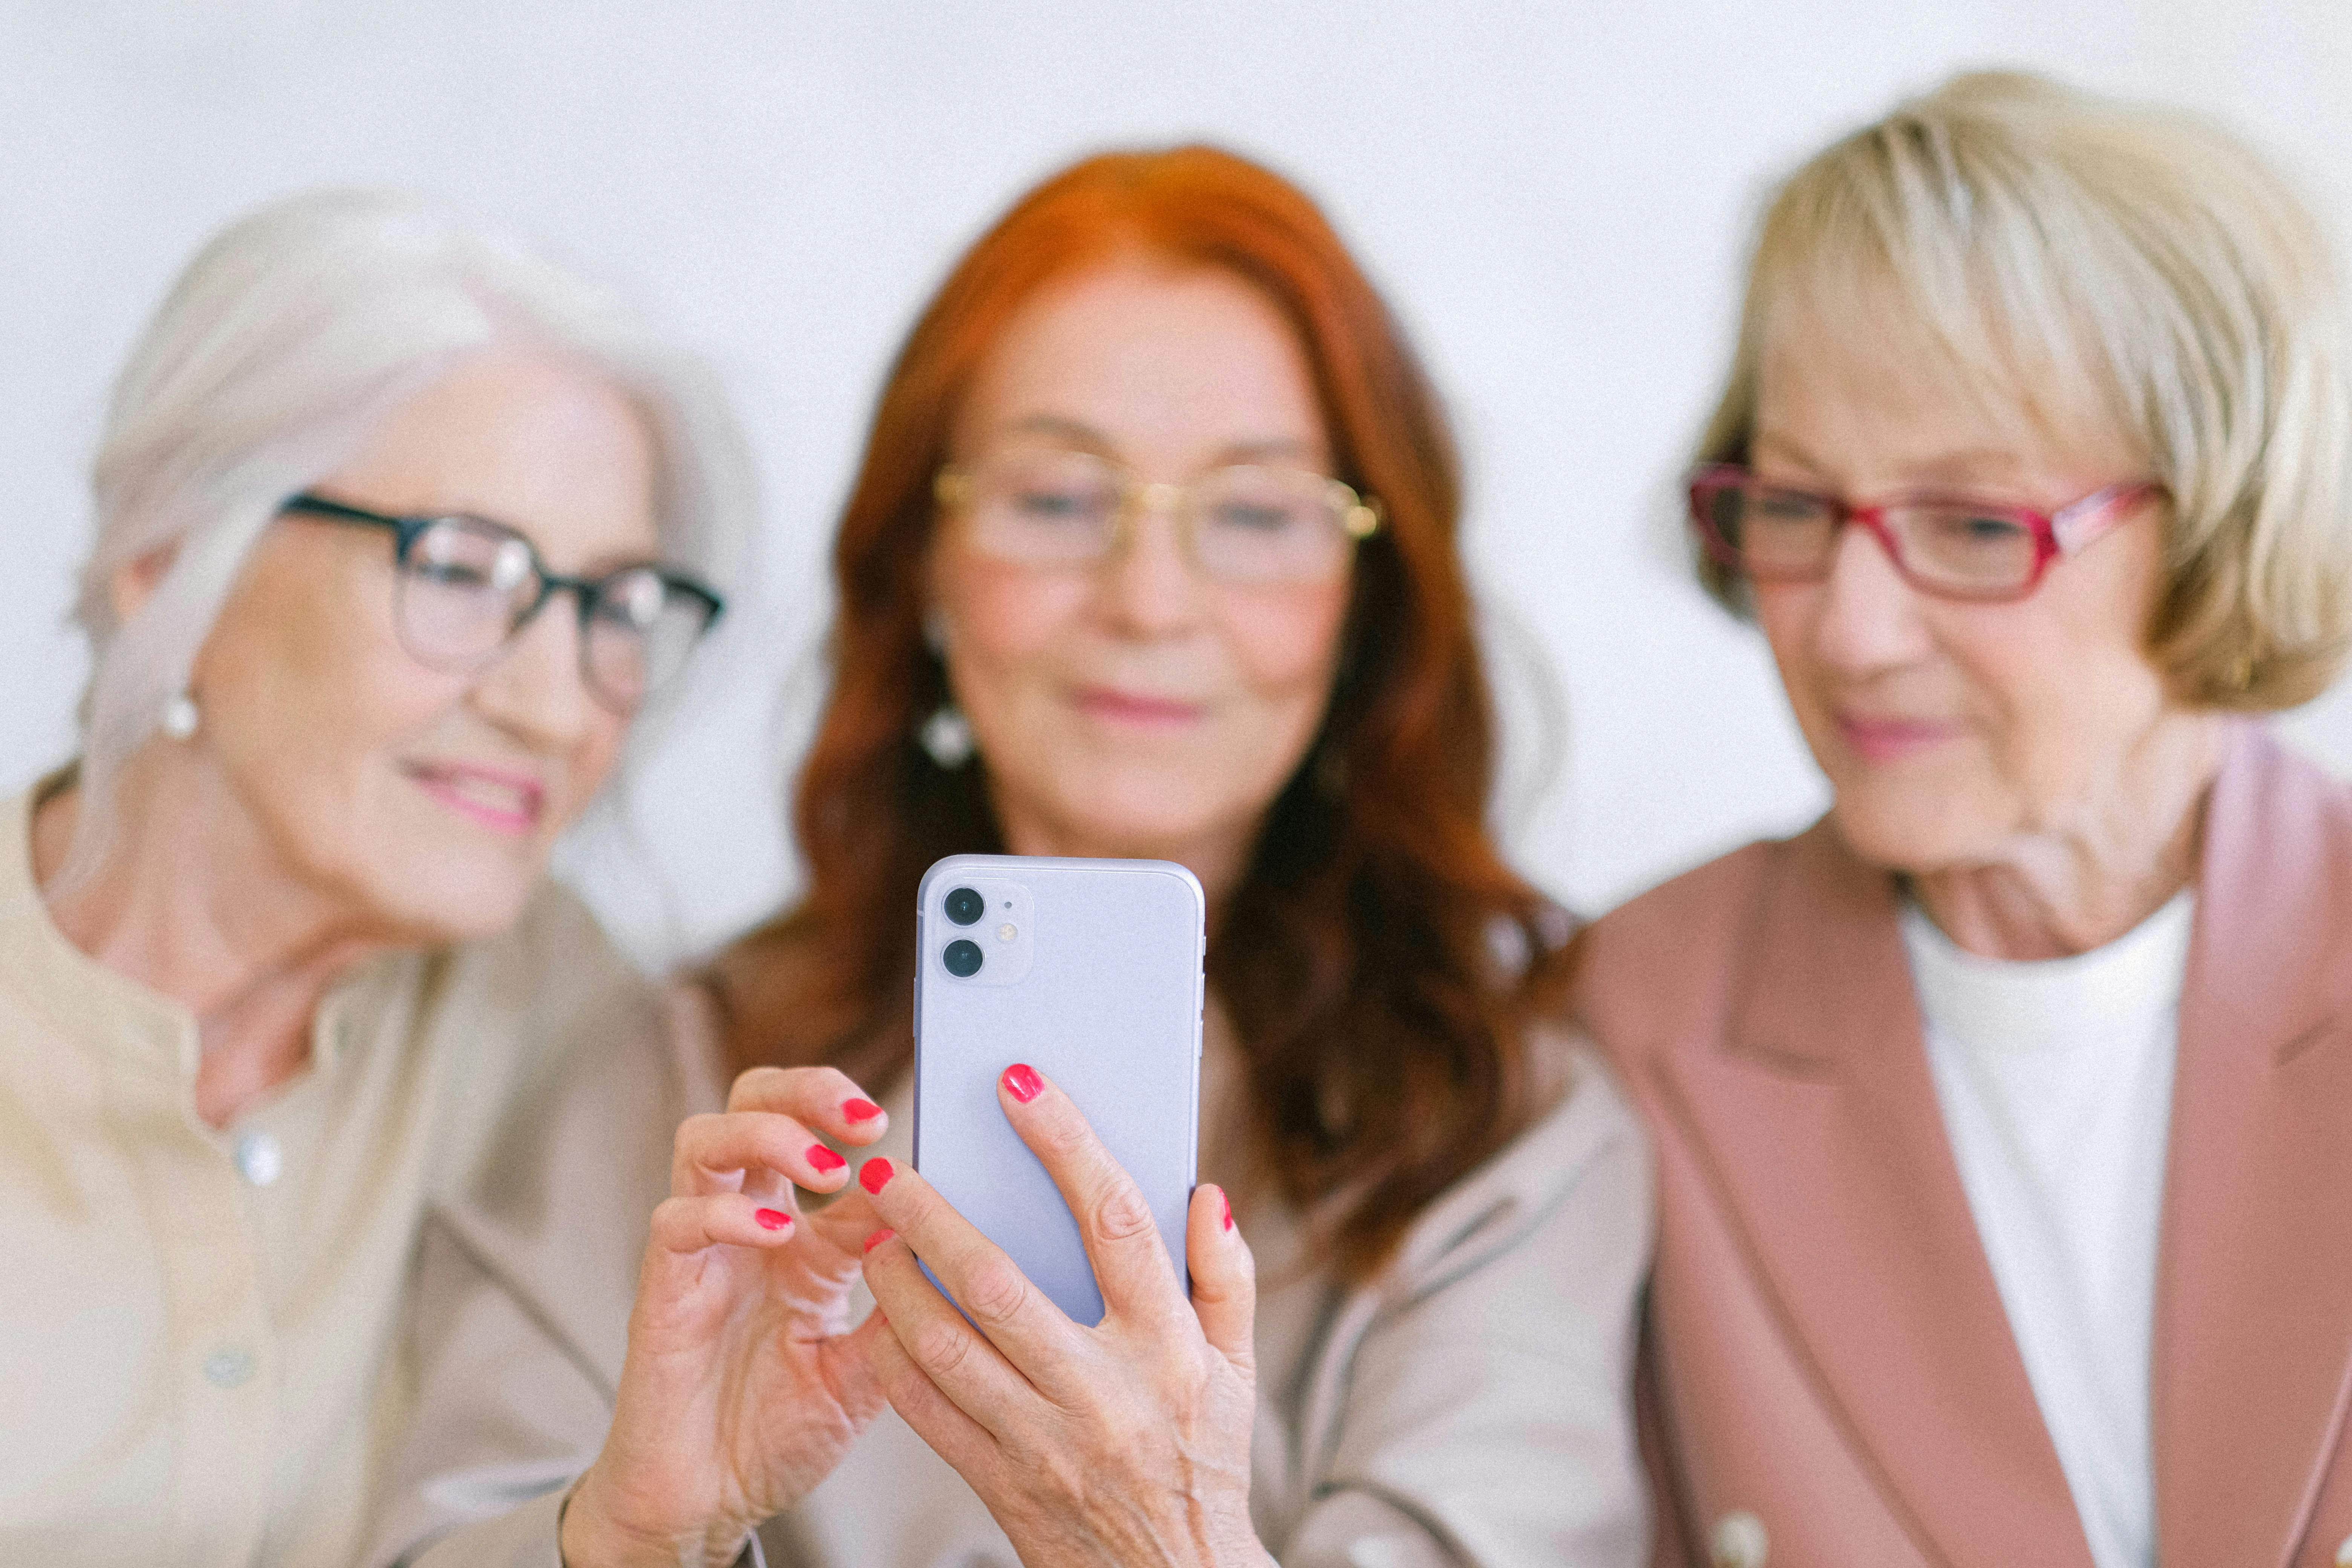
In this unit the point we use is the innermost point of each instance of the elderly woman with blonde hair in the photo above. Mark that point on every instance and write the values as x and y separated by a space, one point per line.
2001 1117
390 511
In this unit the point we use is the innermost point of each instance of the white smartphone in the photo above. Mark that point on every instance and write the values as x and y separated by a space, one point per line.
1091 972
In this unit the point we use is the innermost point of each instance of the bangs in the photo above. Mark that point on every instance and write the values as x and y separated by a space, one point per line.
1901 251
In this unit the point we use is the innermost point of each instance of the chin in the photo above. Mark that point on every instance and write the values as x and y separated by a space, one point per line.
449 897
1910 831
1141 813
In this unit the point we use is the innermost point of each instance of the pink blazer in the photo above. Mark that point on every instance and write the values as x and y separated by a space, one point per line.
1824 1347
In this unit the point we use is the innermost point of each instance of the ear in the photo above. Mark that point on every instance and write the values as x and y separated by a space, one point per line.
133 583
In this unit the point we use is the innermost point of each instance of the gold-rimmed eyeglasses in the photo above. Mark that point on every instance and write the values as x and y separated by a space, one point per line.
1251 523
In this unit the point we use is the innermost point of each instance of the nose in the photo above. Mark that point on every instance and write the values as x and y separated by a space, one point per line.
1149 588
1870 615
533 688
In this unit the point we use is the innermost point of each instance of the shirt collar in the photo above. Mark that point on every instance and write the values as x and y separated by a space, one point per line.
2050 1003
109 1012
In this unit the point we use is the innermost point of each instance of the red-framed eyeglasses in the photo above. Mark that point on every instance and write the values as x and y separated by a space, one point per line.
1952 546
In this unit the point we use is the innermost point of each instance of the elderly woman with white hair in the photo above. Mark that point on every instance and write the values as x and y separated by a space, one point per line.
390 513
2004 1117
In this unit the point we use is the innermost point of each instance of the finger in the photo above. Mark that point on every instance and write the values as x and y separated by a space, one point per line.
841 1226
956 1438
1019 1320
689 1225
689 1234
954 1356
751 1151
1225 1277
815 1097
1130 1260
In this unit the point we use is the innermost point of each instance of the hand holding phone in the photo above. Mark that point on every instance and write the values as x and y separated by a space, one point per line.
1070 1435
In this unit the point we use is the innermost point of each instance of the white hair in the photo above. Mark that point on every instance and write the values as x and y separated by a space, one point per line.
289 340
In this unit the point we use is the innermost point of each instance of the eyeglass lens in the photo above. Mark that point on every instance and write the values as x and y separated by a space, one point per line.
1247 523
465 588
1790 534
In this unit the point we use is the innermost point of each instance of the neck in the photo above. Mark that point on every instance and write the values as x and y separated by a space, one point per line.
1219 859
2054 893
191 902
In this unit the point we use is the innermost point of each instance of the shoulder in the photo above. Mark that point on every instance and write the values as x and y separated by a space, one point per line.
1650 969
556 954
2274 802
549 1206
525 1017
1481 1380
1572 1190
1701 906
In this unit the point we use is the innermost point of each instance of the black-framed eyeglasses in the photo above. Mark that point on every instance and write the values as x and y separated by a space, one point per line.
466 588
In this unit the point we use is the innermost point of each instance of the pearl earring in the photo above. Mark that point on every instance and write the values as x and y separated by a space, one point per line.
946 736
180 717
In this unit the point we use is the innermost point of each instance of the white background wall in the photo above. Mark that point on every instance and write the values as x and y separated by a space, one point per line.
1554 197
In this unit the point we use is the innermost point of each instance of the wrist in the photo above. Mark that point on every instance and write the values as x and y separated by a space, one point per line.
1232 1542
595 1530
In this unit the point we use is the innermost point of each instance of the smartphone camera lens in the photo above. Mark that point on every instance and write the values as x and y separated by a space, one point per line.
964 906
962 956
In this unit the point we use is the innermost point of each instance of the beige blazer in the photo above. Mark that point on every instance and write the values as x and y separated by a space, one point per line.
1825 1348
1471 1406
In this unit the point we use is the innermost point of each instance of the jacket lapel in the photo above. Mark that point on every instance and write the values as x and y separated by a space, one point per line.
1817 1117
2254 1329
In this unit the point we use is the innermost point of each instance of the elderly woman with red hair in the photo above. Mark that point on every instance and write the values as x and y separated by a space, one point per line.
1153 554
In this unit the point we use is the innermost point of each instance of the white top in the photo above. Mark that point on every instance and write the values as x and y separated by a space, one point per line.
2055 1081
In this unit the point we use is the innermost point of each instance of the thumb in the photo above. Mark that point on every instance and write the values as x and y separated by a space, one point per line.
1225 1277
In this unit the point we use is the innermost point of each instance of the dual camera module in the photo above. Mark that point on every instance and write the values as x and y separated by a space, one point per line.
962 956
988 937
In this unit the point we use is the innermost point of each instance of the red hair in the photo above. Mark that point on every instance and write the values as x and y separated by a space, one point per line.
1362 961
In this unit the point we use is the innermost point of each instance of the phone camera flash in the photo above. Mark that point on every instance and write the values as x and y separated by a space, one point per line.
1007 932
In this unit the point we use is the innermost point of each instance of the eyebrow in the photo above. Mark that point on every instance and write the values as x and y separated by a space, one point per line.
1069 430
603 564
1967 465
1088 438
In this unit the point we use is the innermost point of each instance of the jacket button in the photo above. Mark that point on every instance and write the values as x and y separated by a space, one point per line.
2344 1553
259 1158
1739 1540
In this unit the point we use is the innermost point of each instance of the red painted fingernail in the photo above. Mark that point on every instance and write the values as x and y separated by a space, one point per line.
878 1237
825 1161
874 1175
1229 1207
1023 1081
860 1109
772 1219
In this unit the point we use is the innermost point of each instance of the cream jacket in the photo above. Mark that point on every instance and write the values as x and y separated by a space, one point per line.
1469 1406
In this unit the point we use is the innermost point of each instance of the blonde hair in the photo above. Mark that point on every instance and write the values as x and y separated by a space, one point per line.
290 338
2146 267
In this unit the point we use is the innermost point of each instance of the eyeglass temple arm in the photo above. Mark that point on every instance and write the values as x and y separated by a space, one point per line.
320 506
2095 516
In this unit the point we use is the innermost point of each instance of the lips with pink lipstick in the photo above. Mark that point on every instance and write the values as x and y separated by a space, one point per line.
1875 739
503 801
1138 710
